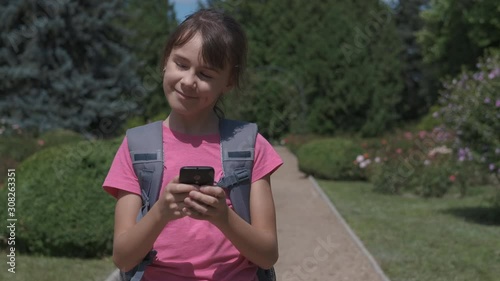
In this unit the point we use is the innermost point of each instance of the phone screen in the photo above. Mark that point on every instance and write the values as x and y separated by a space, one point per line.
198 175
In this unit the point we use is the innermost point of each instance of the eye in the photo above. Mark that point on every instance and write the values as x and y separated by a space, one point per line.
205 76
180 65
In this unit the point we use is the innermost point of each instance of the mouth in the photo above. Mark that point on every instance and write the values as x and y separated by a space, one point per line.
184 95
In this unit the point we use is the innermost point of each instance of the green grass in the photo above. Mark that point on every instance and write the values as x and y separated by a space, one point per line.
446 239
29 268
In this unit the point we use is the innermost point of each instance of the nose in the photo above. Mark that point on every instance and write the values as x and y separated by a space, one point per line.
189 80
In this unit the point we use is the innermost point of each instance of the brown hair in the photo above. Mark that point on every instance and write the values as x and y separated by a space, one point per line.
223 41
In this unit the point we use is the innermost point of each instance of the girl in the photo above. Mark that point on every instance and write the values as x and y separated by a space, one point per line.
197 234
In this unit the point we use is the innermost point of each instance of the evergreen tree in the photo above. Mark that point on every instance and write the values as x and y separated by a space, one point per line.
417 97
64 64
339 62
150 23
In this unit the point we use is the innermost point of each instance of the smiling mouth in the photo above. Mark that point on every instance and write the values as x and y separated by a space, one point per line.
185 96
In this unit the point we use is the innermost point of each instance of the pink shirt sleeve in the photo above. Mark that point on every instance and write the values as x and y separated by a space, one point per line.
121 174
266 159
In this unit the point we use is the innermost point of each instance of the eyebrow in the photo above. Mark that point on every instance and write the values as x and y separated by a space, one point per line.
208 67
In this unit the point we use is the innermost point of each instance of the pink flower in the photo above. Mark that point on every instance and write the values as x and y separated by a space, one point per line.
452 178
408 135
497 103
41 142
399 151
422 134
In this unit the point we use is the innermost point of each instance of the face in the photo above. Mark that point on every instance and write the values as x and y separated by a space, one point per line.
191 86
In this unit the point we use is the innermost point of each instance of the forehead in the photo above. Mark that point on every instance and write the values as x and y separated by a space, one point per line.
203 47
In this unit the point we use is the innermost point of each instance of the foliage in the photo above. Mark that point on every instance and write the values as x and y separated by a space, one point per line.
420 163
337 71
17 147
295 141
150 23
330 158
417 98
457 32
471 107
430 120
64 64
61 208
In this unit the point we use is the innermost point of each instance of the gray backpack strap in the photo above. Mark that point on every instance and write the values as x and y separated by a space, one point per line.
237 149
145 144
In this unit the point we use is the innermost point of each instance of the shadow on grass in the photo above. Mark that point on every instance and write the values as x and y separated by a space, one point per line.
479 215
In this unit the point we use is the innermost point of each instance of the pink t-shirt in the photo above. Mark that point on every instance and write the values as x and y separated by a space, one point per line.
190 249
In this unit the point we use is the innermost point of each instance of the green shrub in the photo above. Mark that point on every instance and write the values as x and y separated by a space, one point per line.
430 120
407 177
294 141
59 137
15 148
61 207
423 164
331 158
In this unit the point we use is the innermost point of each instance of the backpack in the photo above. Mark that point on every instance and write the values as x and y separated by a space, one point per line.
237 152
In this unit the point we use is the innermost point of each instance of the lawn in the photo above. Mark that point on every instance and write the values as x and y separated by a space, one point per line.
446 239
29 268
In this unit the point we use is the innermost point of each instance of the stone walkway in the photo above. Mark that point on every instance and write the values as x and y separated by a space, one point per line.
314 241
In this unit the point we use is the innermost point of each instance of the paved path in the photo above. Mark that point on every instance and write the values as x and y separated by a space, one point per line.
314 241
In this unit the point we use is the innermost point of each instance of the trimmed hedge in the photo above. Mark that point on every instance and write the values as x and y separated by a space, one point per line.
331 158
61 207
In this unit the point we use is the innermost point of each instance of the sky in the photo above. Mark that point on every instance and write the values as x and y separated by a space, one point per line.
184 8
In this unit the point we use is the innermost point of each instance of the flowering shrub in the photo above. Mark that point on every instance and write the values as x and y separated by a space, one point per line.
422 163
471 108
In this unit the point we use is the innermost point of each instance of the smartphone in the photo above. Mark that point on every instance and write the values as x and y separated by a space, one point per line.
198 175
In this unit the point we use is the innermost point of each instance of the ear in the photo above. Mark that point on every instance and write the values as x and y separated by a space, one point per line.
230 85
228 88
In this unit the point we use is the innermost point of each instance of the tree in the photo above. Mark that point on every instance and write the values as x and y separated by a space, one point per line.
64 64
338 58
417 98
457 32
151 23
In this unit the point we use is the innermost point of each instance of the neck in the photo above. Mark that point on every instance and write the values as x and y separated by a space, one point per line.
193 125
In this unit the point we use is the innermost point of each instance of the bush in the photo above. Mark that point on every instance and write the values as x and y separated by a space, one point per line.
430 120
294 141
61 208
58 137
434 180
470 106
331 158
15 148
421 163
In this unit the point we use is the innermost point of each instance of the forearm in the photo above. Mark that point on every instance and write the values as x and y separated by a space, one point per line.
258 246
132 246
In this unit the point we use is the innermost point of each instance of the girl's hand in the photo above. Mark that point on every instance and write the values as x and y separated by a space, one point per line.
172 199
207 203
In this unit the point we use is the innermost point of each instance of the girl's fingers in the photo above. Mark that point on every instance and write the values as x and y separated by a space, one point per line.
197 206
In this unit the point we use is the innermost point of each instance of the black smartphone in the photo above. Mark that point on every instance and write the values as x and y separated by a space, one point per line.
198 175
